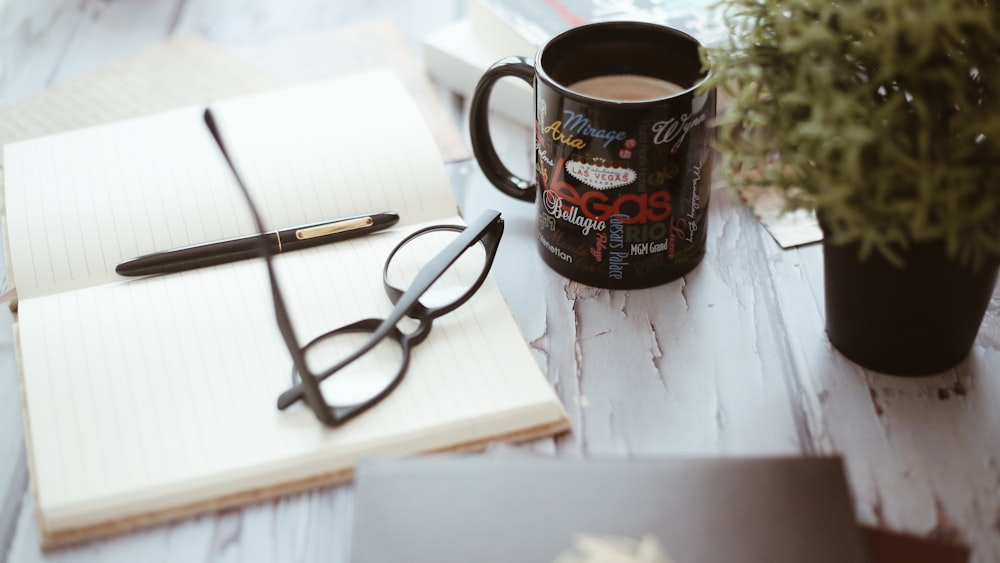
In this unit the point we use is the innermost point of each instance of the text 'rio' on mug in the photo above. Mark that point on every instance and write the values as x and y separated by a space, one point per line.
623 152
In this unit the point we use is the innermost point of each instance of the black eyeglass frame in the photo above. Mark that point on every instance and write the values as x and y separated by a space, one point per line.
487 230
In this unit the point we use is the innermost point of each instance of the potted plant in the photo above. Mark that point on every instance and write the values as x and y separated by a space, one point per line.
883 116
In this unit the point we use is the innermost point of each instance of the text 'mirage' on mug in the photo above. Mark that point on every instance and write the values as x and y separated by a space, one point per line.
623 152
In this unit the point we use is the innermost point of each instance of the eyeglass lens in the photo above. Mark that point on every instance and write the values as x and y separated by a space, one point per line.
363 379
417 252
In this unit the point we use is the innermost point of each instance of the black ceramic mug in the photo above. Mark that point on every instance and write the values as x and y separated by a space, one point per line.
623 152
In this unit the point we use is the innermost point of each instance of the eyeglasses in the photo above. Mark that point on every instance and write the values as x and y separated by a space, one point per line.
430 273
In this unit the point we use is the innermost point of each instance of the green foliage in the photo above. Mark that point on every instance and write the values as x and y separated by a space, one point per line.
882 115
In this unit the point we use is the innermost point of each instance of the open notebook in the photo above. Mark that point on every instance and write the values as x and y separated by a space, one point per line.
149 399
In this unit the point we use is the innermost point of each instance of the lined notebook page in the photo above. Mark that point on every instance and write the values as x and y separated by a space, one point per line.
161 391
80 202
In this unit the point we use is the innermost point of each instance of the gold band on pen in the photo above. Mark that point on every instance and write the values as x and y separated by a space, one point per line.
331 228
278 236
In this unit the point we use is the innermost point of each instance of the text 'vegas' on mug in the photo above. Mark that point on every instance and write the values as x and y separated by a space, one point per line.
623 153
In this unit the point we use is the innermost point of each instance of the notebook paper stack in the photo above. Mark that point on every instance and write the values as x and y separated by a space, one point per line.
153 398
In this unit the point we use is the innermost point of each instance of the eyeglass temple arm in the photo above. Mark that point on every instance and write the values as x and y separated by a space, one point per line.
280 311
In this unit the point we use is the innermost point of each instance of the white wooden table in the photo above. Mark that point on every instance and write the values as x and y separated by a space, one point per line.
731 360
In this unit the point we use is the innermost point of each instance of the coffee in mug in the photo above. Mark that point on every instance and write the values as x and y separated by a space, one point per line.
625 87
623 152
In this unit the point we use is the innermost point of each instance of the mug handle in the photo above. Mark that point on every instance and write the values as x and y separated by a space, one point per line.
479 127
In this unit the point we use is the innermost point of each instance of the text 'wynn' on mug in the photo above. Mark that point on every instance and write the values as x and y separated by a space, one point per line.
622 152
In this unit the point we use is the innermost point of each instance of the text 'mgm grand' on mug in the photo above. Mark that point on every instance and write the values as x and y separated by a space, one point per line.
623 152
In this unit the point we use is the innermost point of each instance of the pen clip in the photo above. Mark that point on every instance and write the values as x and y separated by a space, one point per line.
332 228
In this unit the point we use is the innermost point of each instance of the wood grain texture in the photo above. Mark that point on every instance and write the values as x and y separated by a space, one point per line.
733 359
922 453
13 463
697 366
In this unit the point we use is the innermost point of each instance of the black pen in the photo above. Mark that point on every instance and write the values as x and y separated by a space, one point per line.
241 248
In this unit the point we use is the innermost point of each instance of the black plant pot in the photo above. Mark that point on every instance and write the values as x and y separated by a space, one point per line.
920 319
